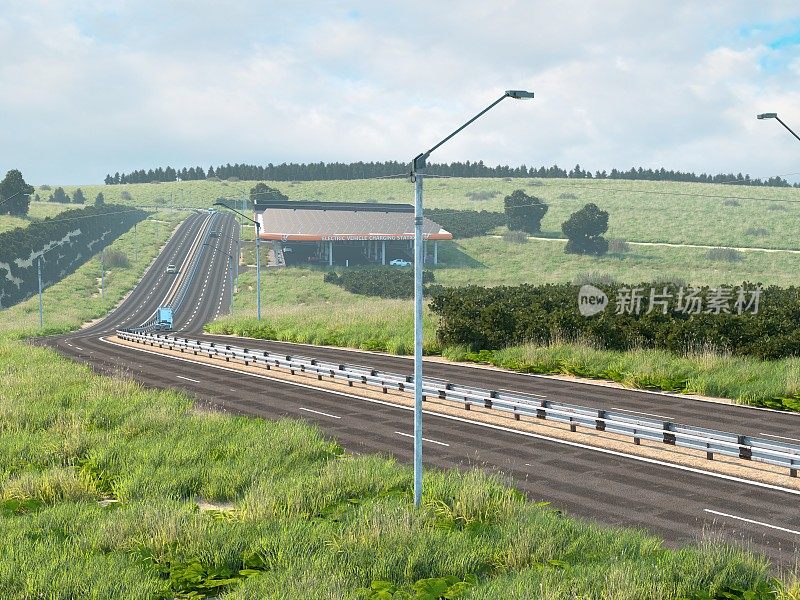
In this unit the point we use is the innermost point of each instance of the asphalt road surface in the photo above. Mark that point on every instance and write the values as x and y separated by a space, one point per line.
678 504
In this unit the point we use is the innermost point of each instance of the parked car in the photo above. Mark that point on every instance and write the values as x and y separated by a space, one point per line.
399 262
172 268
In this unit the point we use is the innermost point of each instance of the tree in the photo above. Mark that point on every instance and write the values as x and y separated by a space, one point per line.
78 197
15 194
100 200
59 195
261 193
584 230
524 212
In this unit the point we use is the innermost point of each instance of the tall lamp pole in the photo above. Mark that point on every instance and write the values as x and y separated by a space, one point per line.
778 119
417 172
258 254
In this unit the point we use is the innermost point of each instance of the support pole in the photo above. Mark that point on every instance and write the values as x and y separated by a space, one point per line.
435 252
330 254
39 268
258 270
418 266
383 252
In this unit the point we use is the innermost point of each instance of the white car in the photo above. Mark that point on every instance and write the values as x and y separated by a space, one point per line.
399 262
172 268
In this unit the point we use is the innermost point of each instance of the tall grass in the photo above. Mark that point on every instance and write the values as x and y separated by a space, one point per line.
307 520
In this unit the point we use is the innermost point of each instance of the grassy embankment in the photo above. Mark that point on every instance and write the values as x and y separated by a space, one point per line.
37 211
100 483
76 299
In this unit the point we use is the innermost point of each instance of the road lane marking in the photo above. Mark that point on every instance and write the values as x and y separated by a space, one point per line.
538 436
187 378
423 439
319 412
780 437
722 514
638 412
76 348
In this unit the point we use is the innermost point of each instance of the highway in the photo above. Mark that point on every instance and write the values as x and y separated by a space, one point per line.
677 503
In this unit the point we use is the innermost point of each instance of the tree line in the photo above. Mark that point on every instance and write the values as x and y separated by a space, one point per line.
365 170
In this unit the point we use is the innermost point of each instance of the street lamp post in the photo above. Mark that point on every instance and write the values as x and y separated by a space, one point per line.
417 172
778 119
258 254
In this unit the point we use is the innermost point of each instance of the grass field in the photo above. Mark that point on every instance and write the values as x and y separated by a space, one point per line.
76 299
645 211
37 211
101 484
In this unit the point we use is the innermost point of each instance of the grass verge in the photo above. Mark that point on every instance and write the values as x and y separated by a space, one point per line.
101 481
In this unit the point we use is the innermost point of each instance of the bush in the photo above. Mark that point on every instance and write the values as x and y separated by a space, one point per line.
45 188
126 195
724 255
160 200
481 195
776 206
524 212
233 179
213 178
584 230
466 223
534 183
757 232
567 196
617 246
116 259
730 202
378 281
515 237
494 318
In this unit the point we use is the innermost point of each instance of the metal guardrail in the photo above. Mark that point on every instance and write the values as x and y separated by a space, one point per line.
711 441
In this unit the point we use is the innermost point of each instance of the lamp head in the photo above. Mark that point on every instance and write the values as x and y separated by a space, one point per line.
519 94
768 116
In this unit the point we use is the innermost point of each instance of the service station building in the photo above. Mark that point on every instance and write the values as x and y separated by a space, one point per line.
344 233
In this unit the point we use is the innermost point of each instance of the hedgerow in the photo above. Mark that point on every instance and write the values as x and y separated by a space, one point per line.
494 318
375 281
466 223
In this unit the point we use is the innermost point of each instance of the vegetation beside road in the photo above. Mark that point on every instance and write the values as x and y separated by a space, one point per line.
76 299
108 478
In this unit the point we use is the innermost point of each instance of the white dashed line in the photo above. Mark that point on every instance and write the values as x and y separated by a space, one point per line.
187 378
318 412
722 514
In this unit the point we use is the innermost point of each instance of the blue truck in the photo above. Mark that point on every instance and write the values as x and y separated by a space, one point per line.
164 318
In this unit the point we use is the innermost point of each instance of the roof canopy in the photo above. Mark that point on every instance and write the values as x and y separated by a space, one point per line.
341 221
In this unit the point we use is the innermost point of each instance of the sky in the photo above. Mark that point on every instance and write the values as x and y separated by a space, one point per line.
89 87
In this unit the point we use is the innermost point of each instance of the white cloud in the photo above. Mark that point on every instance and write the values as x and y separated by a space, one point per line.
117 86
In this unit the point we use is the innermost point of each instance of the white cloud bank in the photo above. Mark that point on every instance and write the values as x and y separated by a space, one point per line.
95 87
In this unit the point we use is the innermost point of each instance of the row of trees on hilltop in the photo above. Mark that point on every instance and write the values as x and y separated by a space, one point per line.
364 170
78 197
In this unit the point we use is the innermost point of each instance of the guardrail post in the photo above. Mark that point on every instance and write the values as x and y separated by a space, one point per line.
467 404
792 472
573 427
669 438
600 423
709 453
487 403
636 439
745 452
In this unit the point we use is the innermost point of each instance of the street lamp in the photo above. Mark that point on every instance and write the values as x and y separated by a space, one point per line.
258 254
778 119
417 170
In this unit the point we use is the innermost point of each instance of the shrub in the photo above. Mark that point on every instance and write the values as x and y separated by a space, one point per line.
567 196
593 277
384 282
584 230
213 178
724 255
160 200
730 202
233 179
534 183
45 188
524 212
496 317
617 246
515 237
116 259
125 195
757 232
481 195
466 223
776 206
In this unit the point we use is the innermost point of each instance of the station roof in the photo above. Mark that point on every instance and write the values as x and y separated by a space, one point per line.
341 221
